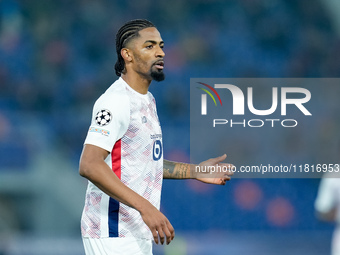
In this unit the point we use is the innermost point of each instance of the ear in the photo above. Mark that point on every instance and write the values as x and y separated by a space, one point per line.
126 54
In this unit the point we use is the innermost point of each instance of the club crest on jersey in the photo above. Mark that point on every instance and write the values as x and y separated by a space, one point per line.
103 117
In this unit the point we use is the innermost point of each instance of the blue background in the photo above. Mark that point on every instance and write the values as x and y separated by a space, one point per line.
57 58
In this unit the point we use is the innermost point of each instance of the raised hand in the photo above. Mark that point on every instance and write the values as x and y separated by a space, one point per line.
213 171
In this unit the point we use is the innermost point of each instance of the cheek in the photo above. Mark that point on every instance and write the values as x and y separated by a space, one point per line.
143 61
145 57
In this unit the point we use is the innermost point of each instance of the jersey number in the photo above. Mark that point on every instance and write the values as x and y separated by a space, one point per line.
157 150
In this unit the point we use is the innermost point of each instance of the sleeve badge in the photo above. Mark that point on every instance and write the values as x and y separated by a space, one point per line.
103 117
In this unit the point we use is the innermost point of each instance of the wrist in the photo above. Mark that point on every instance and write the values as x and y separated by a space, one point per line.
194 171
143 206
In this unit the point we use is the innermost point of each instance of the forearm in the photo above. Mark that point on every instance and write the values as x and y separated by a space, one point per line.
176 170
102 176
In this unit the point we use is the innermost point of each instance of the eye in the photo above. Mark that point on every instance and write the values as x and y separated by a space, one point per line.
149 46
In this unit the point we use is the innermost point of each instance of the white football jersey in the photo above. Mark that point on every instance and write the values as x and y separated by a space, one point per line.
125 123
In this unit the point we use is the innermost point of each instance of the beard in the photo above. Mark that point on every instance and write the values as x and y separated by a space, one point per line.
153 73
157 75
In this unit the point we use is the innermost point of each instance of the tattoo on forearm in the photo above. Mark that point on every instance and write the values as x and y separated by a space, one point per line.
175 170
168 167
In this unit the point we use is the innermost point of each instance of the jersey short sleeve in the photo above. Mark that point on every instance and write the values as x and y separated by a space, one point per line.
110 119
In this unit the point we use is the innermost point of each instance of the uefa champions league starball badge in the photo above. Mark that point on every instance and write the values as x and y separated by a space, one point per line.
103 117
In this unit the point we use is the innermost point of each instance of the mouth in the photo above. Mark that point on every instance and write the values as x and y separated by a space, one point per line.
159 64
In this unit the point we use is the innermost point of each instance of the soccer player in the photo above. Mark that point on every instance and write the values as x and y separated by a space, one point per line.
327 205
123 153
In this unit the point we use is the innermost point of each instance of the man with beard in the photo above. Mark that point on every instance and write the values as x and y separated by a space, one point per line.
123 153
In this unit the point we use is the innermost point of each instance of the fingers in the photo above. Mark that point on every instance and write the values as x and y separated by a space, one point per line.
226 177
159 225
161 234
164 231
224 180
171 232
155 236
230 168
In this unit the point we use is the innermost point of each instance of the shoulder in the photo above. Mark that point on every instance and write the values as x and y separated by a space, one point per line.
151 97
116 91
114 102
114 96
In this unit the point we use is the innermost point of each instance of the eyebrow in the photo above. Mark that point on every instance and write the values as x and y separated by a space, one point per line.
154 42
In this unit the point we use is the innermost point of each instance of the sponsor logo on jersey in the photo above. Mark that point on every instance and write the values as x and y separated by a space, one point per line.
156 136
144 119
157 150
99 130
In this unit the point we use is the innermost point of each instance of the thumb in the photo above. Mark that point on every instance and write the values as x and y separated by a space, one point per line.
218 159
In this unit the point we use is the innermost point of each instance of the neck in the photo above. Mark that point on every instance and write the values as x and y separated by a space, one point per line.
137 82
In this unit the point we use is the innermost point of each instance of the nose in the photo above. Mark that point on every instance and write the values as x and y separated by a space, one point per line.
160 52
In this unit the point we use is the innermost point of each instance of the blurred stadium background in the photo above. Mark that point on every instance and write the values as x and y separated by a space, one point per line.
57 57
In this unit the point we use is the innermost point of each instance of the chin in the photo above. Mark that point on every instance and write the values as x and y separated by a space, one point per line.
158 76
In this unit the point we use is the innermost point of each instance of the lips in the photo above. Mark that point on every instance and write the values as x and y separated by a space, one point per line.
159 64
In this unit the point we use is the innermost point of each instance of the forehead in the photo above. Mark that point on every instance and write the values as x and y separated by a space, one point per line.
149 34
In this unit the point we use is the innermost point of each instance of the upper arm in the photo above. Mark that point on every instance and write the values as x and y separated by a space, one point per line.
91 156
93 153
